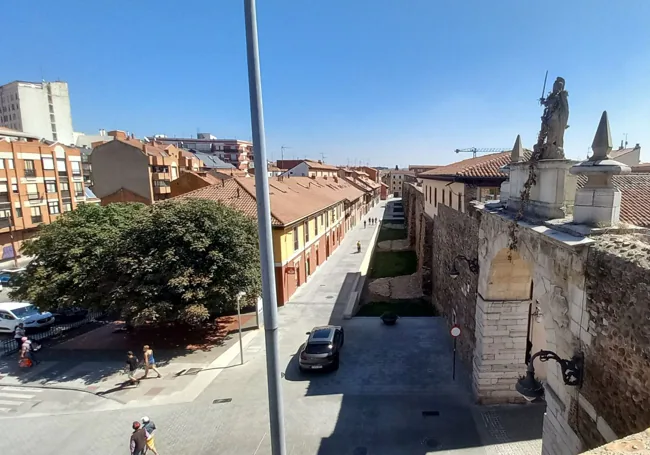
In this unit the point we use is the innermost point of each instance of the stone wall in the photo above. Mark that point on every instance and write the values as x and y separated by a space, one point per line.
419 227
617 359
456 233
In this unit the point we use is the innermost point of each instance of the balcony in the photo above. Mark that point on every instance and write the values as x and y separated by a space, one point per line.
4 197
79 194
65 194
162 189
37 219
160 176
30 173
63 173
5 223
34 196
76 173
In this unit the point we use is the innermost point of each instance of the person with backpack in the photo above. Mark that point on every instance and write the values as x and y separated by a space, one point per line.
150 428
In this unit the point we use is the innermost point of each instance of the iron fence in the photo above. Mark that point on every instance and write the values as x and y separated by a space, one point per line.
10 346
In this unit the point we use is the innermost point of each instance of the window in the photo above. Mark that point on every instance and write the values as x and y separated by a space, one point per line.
296 240
316 226
156 183
174 172
306 228
460 201
36 214
435 197
50 187
3 188
67 206
19 212
443 197
2 164
32 191
29 168
14 188
79 187
55 137
11 163
5 214
60 166
76 168
327 220
48 164
53 207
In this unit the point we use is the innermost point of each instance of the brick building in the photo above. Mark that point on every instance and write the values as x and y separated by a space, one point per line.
38 182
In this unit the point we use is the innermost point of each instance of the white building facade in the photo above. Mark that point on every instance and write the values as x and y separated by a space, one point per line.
40 108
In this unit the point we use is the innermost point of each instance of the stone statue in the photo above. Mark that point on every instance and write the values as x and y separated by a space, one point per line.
554 122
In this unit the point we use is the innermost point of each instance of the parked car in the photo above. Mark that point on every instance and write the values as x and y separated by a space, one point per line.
63 315
8 275
13 313
322 349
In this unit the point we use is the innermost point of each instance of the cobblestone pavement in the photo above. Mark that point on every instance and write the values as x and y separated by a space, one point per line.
393 394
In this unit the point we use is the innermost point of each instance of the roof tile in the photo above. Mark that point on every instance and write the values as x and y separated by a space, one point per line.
486 166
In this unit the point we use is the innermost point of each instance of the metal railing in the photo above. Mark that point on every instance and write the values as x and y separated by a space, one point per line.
65 193
37 218
8 347
30 173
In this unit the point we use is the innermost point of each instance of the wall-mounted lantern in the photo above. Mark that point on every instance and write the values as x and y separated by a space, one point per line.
471 263
572 372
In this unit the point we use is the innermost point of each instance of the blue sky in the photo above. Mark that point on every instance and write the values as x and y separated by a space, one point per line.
381 81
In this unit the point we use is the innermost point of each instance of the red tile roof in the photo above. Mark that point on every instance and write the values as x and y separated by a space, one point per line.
292 199
320 166
635 194
486 166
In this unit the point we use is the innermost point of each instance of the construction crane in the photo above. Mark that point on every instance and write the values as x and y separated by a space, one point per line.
474 150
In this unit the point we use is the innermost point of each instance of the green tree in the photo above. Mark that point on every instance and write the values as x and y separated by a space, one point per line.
179 260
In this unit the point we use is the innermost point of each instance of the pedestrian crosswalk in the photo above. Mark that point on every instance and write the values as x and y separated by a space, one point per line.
11 398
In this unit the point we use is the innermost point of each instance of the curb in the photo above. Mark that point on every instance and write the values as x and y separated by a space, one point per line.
360 280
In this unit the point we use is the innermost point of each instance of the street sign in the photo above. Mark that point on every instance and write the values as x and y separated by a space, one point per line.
455 331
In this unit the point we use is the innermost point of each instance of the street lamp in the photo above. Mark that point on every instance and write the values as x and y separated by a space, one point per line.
471 263
572 372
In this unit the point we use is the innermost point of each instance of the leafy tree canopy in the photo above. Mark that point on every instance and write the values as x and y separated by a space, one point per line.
177 260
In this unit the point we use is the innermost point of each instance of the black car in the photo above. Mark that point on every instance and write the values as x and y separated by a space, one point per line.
73 314
322 349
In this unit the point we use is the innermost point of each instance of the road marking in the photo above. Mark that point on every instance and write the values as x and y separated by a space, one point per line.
20 389
15 395
11 403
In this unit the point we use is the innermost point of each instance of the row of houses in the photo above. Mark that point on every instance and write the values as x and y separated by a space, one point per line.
310 217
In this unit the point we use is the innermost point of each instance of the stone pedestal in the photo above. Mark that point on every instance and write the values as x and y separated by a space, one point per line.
600 207
553 194
505 192
500 353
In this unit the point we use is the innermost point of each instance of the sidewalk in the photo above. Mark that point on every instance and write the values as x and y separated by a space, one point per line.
94 362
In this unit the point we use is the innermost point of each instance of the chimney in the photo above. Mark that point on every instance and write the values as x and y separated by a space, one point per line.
320 161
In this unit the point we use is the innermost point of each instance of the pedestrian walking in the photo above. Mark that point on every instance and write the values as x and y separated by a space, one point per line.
19 333
364 224
131 367
150 428
149 361
138 441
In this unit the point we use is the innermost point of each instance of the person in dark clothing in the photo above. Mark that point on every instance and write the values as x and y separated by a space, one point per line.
138 441
131 367
19 333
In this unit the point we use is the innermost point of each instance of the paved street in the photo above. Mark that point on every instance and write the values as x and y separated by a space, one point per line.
393 393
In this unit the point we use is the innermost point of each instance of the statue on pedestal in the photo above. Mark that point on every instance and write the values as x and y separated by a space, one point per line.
550 144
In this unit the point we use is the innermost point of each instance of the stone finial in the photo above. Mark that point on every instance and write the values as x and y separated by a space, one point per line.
517 150
602 144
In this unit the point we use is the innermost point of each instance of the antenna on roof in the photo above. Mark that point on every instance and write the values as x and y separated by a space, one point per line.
322 157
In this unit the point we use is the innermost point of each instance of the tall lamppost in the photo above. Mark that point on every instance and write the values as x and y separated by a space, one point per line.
270 308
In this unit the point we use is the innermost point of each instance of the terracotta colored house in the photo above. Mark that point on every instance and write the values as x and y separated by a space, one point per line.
310 217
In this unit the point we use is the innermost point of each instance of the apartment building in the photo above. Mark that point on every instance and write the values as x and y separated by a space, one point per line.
128 170
38 182
309 216
309 168
361 180
396 178
39 108
232 151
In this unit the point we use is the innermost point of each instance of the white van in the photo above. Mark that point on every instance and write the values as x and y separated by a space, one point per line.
13 313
